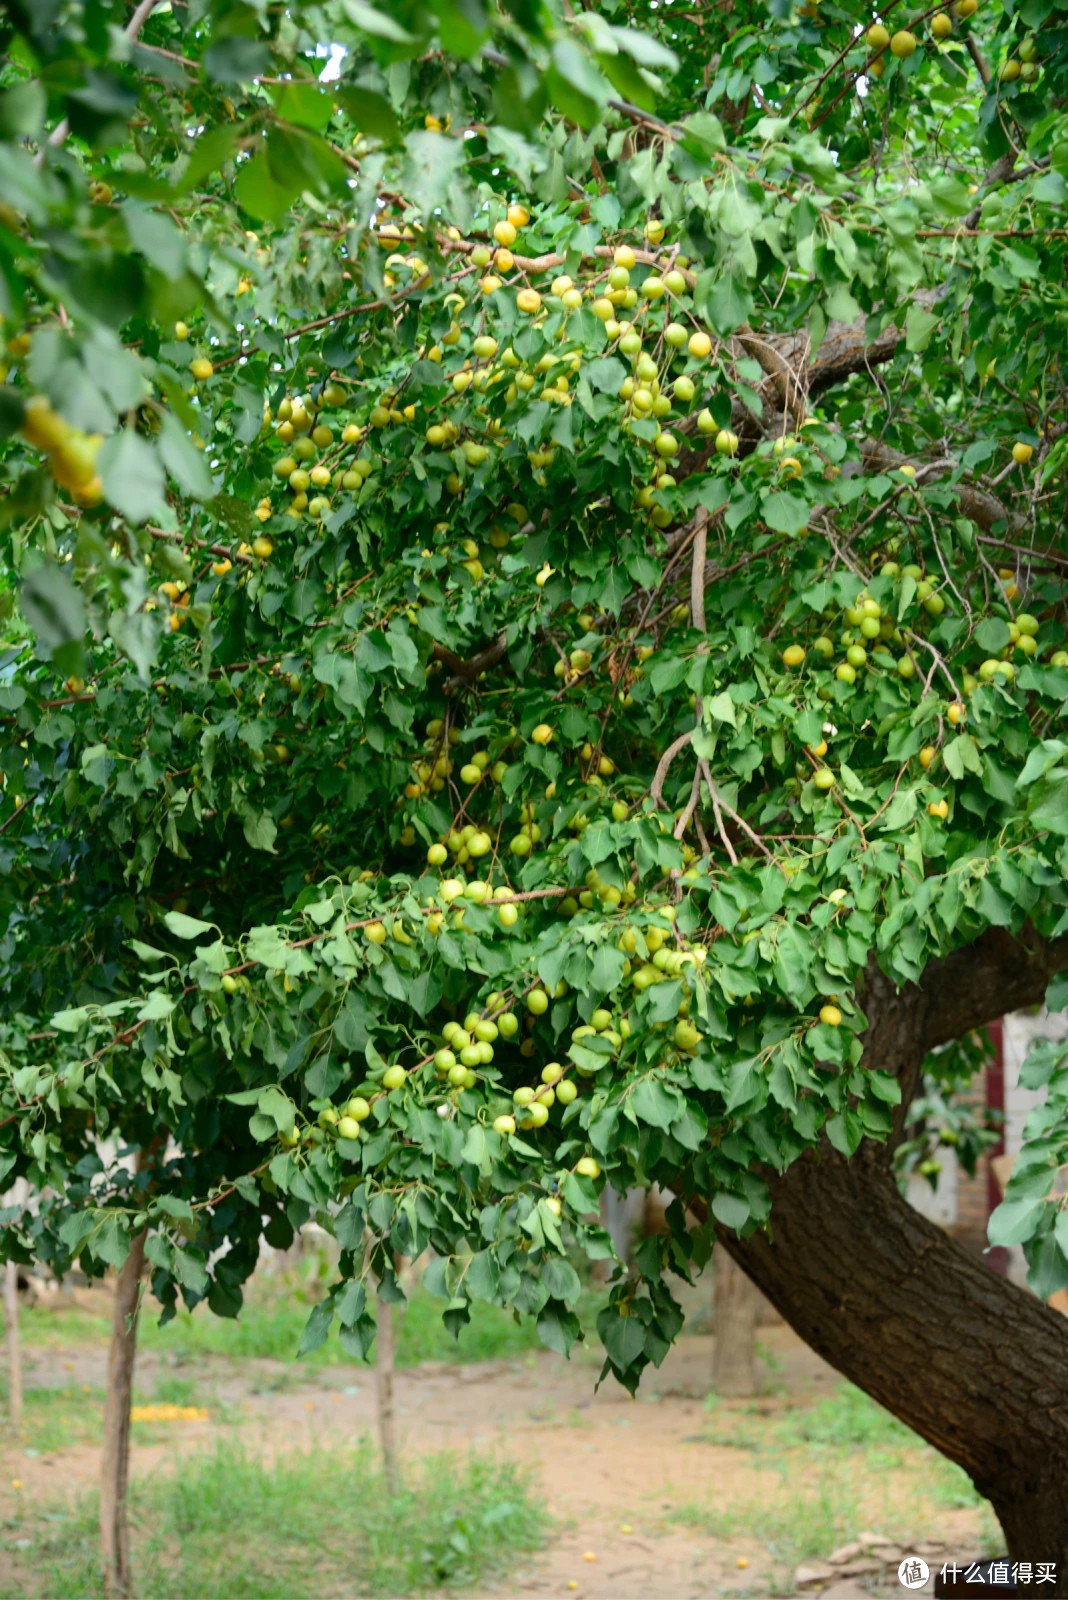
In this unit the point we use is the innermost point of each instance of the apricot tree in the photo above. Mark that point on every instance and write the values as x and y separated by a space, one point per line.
534 657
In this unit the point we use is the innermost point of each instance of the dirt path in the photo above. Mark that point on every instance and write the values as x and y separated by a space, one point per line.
605 1462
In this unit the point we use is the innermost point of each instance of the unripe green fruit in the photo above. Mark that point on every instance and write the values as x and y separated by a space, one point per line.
393 1077
566 1091
504 1124
348 1128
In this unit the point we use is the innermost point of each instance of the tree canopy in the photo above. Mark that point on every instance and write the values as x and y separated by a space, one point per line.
533 566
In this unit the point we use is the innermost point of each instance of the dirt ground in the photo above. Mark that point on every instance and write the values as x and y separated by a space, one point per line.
604 1461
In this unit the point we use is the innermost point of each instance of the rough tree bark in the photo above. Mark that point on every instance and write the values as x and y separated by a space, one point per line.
735 1316
115 1453
974 1364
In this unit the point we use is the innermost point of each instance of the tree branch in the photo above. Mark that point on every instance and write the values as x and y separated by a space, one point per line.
465 672
984 980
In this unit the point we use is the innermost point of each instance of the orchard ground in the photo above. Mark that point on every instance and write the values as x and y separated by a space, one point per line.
515 1468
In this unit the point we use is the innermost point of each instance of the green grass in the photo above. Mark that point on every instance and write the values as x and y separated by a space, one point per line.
836 1461
311 1525
272 1320
55 1419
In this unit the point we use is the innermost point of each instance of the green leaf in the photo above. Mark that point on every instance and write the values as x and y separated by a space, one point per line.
732 1210
723 299
316 1328
561 1279
1048 806
919 328
785 513
992 635
377 23
183 460
157 238
721 707
656 1103
432 161
1013 1221
186 927
132 475
623 1337
260 830
55 611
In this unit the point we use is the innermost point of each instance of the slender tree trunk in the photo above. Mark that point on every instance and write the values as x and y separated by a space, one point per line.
14 1351
384 1362
734 1354
115 1454
974 1364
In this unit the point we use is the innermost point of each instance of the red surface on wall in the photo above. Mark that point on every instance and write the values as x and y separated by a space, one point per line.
995 1101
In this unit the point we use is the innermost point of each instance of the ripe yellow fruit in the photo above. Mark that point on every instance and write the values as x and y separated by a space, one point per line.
956 713
699 345
831 1016
528 300
624 256
793 655
262 547
938 808
942 25
42 426
518 216
878 37
1022 452
504 232
201 368
903 44
542 733
927 755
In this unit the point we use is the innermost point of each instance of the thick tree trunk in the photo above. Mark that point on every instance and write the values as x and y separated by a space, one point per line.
14 1350
734 1353
115 1454
974 1364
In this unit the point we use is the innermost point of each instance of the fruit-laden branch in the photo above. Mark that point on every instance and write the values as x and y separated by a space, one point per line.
984 509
